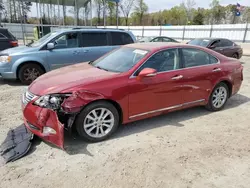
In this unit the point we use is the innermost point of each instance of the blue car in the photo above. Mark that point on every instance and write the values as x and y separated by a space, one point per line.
59 49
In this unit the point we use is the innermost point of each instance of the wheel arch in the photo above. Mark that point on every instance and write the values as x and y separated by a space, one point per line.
114 103
28 62
228 83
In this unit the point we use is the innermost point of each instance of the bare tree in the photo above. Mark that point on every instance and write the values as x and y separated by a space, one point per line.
140 9
98 10
189 6
111 9
126 7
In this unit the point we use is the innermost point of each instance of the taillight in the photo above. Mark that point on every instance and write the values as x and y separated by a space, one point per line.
13 43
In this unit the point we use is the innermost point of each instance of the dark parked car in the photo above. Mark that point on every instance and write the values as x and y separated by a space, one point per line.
7 40
157 39
223 46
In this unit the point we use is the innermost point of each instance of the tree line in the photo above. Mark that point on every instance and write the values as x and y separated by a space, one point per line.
131 12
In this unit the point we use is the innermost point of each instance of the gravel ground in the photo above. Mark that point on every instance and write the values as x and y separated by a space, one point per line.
190 148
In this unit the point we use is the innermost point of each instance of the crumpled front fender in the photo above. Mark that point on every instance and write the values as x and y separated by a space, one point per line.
78 99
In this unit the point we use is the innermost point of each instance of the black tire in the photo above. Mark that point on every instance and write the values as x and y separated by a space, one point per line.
79 123
236 56
23 73
210 106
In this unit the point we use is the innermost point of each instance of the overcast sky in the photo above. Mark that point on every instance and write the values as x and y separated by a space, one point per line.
156 5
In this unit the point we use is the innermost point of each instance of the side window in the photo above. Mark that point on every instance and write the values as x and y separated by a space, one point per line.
94 39
119 38
2 36
195 57
226 43
166 60
158 39
69 40
216 43
166 40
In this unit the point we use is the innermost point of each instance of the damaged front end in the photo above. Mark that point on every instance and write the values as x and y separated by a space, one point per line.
45 117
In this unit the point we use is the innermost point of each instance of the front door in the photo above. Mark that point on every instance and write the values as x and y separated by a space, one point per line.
156 93
67 51
200 73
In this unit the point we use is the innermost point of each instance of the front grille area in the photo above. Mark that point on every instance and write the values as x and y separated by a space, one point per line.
27 97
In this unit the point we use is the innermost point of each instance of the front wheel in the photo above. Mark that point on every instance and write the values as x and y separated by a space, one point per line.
29 72
218 97
97 121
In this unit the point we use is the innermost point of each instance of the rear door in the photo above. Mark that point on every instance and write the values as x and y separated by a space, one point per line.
201 72
228 47
94 45
4 41
66 51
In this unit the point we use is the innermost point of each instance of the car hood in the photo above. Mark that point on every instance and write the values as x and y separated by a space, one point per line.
19 49
68 77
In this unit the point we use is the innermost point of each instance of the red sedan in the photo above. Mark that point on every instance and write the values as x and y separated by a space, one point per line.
134 82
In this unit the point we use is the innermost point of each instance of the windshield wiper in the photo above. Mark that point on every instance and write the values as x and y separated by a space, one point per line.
102 68
90 63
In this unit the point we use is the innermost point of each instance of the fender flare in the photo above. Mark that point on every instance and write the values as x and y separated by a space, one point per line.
23 60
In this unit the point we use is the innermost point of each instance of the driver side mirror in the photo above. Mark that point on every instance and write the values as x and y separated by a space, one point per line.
50 46
147 72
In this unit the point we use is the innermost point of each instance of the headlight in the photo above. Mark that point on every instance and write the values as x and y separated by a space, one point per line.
53 101
5 59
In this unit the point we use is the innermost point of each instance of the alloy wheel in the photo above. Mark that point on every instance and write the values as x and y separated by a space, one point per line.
30 74
99 122
219 97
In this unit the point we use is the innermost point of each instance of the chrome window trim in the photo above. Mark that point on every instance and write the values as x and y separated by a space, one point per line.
218 61
164 109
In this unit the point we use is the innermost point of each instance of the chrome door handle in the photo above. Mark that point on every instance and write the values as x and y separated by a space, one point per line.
216 70
177 77
85 51
76 52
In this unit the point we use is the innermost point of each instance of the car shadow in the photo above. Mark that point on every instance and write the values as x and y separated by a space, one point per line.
11 82
75 145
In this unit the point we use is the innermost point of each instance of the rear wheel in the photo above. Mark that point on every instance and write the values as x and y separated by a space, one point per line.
236 56
218 97
97 121
29 72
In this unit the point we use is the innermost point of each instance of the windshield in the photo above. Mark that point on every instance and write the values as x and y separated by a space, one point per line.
120 60
146 39
41 40
200 42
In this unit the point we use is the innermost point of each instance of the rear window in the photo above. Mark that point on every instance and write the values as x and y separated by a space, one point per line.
4 33
119 38
94 39
2 36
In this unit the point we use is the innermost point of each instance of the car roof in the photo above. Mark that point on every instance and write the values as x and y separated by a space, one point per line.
92 30
151 46
207 38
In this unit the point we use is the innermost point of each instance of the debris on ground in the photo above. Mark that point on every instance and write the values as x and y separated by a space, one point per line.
16 144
